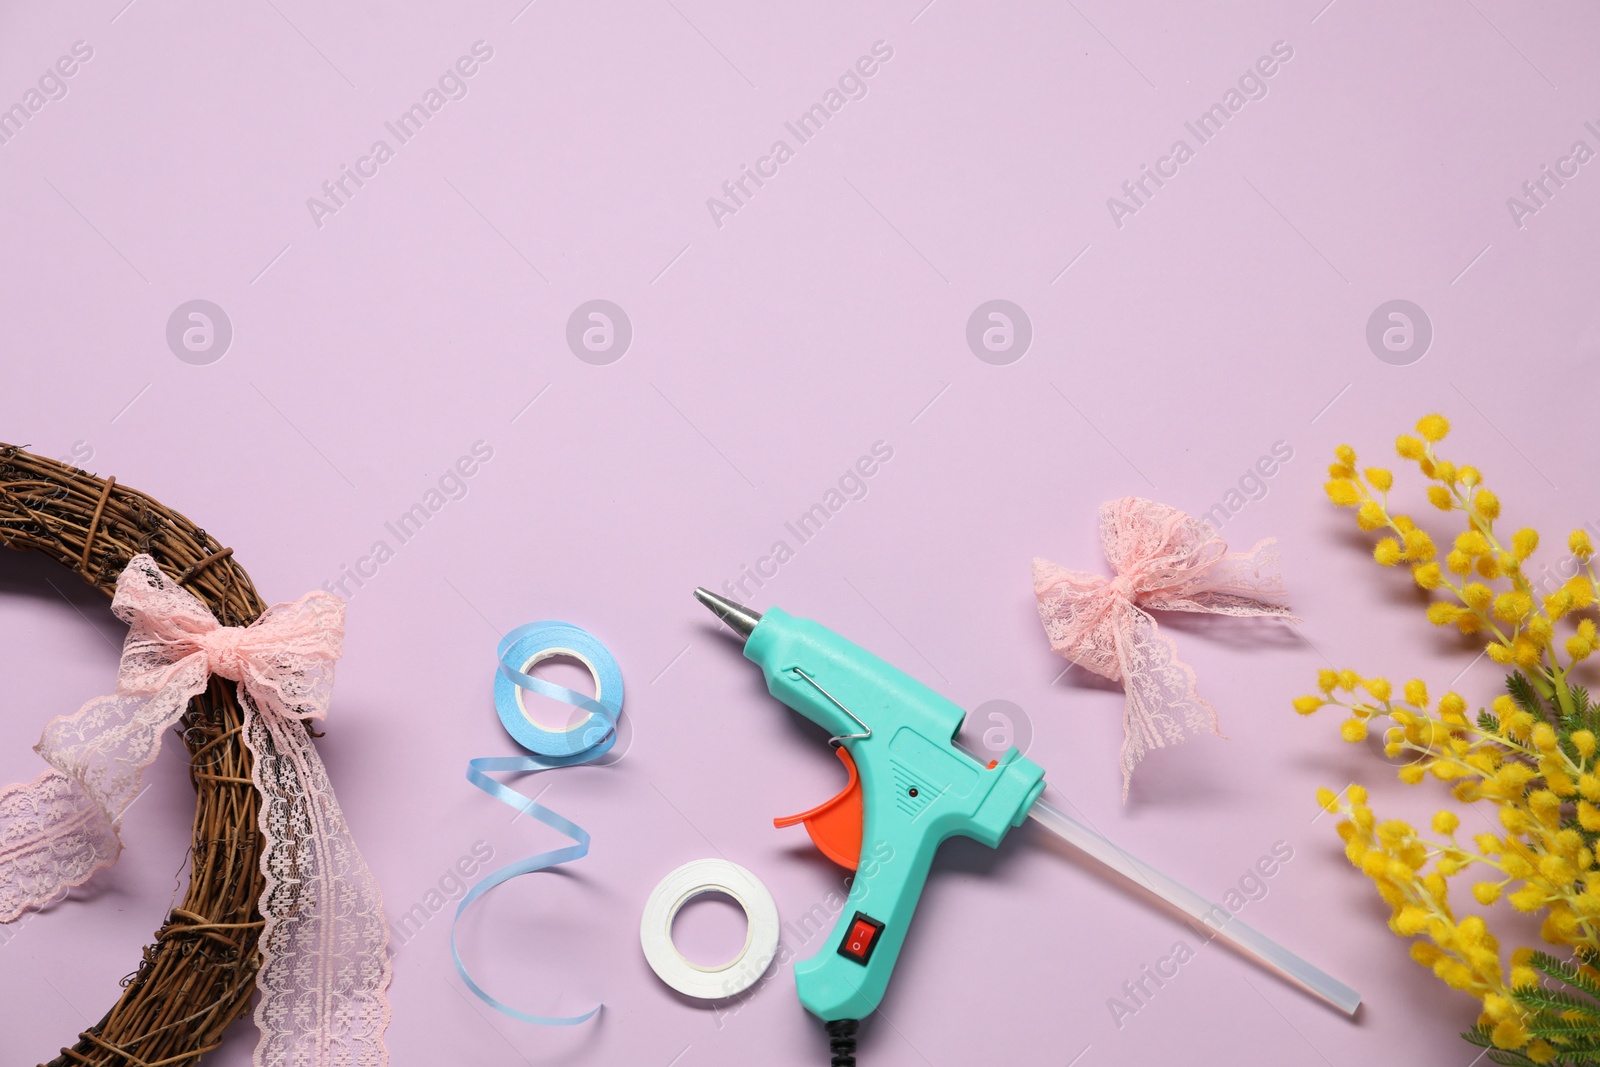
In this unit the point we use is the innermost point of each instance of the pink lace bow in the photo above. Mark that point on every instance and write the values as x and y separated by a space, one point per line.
325 967
1164 560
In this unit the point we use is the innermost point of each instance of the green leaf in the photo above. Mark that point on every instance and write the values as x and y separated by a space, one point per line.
1487 722
1567 991
1557 1000
1587 714
1567 973
1565 1035
1525 695
1479 1036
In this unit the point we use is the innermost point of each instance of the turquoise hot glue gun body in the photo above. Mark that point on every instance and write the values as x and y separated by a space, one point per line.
911 789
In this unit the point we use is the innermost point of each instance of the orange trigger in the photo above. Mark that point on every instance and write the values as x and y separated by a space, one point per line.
835 825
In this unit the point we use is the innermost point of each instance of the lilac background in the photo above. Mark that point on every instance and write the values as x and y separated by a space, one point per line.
1168 355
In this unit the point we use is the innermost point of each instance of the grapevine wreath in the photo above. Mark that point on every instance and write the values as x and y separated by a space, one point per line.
198 975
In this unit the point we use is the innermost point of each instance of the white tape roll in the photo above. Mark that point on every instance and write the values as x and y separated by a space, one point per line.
680 887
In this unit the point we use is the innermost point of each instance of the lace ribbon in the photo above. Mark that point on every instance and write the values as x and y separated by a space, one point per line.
325 966
1167 561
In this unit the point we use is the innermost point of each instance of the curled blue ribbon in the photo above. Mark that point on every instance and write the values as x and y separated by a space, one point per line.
588 740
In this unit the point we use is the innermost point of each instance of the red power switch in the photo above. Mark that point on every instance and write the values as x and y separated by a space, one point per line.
861 938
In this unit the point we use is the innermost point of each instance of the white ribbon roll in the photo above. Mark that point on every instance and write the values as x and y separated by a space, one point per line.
761 929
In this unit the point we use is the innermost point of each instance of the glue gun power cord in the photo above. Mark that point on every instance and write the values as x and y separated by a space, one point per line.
842 1042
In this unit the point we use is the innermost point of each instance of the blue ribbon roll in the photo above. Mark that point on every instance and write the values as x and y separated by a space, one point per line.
589 739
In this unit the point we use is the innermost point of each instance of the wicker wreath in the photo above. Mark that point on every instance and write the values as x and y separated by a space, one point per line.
198 975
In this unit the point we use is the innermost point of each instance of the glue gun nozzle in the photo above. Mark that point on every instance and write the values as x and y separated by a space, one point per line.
740 619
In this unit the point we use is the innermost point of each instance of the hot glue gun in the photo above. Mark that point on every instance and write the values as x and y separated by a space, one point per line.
910 788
